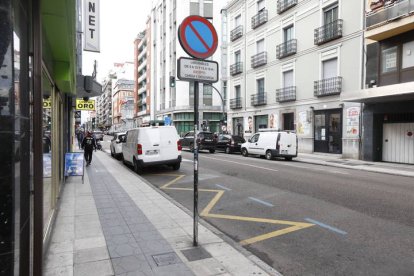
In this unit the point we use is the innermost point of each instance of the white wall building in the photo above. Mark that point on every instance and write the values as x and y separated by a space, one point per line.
289 61
177 103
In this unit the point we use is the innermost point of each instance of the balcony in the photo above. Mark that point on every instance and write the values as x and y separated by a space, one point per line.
286 49
236 33
390 12
259 59
284 5
236 103
286 94
327 87
328 32
259 19
236 68
258 99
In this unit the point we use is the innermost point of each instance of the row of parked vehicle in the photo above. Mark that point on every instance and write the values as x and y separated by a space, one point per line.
161 145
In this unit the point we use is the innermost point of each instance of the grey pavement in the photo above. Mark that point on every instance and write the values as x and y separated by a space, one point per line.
118 224
335 160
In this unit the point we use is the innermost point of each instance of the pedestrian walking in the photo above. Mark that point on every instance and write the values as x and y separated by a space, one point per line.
88 145
80 137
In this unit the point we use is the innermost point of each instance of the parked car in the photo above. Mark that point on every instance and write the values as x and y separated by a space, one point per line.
155 145
116 144
272 144
98 135
205 140
229 143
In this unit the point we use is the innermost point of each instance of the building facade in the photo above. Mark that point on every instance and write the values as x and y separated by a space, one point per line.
122 104
104 111
290 61
142 76
177 102
387 96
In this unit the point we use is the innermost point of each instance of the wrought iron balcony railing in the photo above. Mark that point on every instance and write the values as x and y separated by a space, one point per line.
328 32
259 59
259 19
236 103
286 94
236 68
327 87
390 12
284 5
259 99
286 49
236 33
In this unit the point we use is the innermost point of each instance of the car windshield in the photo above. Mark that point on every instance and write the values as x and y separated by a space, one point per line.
206 135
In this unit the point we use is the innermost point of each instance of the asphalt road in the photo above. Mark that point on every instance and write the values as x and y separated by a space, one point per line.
303 219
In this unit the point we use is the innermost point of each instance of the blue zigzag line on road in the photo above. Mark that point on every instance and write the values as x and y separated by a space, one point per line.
326 226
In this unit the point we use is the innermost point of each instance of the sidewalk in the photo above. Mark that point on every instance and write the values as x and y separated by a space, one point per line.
117 224
337 161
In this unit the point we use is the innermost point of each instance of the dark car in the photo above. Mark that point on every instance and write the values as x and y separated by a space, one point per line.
229 143
205 140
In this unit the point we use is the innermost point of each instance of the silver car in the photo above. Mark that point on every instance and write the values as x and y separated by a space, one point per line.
98 135
116 144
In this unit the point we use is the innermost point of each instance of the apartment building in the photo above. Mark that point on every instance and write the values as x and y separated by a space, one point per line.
104 111
388 93
290 62
142 76
177 102
123 104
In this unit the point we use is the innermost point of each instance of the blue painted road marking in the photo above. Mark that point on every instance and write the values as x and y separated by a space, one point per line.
323 225
222 187
261 201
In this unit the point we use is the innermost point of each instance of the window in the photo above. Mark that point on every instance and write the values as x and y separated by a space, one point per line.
330 14
288 33
237 56
260 5
255 138
260 46
191 94
237 91
408 55
237 21
260 86
288 78
330 68
207 95
389 59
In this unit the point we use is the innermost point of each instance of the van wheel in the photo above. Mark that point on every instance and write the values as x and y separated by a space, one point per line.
288 158
137 167
228 150
269 155
176 167
212 151
244 152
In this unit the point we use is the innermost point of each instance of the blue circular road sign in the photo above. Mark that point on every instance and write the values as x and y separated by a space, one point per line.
198 37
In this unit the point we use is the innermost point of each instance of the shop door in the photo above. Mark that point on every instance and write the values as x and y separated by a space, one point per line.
288 121
398 143
328 131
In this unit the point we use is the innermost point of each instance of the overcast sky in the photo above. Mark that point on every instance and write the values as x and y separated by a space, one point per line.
121 21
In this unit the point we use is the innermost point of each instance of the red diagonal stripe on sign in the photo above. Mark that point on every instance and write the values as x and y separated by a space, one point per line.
199 36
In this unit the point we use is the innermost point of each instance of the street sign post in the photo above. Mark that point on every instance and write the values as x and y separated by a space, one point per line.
198 38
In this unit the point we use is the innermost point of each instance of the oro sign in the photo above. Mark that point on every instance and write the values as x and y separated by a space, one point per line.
85 105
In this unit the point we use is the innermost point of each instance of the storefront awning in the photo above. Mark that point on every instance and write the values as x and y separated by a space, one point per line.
388 93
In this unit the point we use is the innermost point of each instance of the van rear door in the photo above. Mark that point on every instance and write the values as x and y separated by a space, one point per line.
158 143
288 144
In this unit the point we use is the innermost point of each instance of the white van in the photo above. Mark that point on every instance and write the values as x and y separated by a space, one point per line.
271 144
155 145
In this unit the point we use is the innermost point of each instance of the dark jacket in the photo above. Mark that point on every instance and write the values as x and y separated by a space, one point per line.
89 143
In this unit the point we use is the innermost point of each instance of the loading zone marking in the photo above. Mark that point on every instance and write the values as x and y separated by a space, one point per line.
291 225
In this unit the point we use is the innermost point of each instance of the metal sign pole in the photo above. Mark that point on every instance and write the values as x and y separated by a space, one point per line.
195 212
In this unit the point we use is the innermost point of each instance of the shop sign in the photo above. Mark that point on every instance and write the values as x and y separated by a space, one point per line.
91 26
47 103
85 105
352 121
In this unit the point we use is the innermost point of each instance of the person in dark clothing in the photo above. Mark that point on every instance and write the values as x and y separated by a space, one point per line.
88 145
80 138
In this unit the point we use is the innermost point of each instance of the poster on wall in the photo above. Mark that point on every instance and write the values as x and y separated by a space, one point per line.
248 125
274 121
352 121
303 124
47 165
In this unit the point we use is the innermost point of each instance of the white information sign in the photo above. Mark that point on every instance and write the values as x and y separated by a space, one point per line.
197 70
91 25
